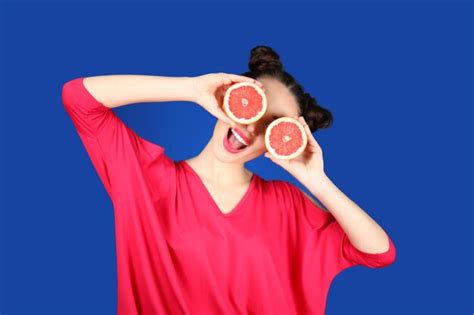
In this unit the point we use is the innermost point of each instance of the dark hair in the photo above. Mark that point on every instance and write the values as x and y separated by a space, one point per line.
264 61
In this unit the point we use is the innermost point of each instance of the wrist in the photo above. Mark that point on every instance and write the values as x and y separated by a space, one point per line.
319 184
188 88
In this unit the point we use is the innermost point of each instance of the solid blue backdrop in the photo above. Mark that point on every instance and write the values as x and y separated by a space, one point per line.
397 78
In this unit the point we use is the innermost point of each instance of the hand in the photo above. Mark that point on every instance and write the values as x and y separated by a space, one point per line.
307 167
209 91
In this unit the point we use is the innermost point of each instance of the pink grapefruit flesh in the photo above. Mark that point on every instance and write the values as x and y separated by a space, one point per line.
285 138
245 102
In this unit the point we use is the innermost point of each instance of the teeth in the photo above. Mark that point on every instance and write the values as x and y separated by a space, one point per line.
238 137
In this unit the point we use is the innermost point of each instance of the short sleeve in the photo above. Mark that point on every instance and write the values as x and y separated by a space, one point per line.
117 153
327 243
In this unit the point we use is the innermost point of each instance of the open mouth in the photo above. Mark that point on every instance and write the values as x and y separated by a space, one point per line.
234 142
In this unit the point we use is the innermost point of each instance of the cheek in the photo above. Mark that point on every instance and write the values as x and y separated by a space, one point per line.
259 143
221 126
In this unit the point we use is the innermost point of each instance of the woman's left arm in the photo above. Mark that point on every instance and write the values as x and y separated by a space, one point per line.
363 232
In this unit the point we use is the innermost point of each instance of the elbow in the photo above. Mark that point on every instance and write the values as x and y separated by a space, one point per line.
377 260
386 258
68 92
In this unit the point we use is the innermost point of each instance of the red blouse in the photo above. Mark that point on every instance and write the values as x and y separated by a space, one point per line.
276 252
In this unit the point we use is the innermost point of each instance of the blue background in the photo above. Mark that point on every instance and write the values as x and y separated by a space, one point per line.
396 76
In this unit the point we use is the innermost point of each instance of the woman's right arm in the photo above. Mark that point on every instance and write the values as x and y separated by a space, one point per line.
205 90
117 152
118 90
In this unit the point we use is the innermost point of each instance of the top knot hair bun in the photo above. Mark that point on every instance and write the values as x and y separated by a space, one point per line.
264 58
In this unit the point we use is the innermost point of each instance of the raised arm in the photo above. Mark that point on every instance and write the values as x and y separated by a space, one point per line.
117 151
118 90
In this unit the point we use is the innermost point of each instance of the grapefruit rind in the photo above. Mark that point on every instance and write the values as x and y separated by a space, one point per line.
244 121
303 136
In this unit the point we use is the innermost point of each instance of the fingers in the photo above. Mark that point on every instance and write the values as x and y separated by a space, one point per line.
312 142
220 114
283 163
212 106
240 78
223 116
271 157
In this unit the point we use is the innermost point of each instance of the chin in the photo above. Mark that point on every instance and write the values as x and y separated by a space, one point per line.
222 155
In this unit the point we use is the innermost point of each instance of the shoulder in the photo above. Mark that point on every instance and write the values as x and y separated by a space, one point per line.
295 193
311 199
285 186
283 191
299 205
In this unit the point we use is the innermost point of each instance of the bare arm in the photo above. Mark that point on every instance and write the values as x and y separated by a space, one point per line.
363 231
118 90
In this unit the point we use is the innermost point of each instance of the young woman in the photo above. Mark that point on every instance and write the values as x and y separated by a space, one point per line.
205 235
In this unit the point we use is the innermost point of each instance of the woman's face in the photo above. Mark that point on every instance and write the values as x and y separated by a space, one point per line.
280 102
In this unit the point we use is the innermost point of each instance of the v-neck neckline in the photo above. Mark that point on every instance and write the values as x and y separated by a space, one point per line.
237 208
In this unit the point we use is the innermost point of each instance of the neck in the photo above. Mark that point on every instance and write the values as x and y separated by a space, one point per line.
219 172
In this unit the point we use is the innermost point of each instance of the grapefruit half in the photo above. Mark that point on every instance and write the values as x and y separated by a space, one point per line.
285 138
245 102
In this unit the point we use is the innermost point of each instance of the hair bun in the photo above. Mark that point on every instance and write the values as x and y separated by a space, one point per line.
264 58
316 116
